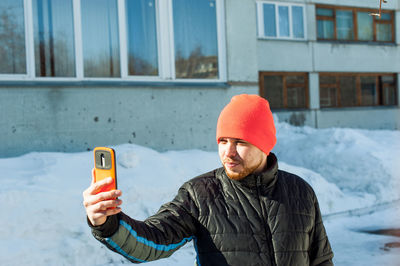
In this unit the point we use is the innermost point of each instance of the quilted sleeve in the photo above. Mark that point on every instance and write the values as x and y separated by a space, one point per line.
158 236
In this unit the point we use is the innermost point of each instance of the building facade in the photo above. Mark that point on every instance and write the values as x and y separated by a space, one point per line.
76 74
339 68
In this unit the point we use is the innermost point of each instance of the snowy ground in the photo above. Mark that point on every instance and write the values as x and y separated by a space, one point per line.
355 173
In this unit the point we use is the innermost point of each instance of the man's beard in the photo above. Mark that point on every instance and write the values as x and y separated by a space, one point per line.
247 170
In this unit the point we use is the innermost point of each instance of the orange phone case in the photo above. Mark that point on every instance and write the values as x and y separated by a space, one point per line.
104 166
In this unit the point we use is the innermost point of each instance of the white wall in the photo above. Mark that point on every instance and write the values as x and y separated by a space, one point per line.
241 40
370 118
340 57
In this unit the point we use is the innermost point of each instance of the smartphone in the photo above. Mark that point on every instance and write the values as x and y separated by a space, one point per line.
104 167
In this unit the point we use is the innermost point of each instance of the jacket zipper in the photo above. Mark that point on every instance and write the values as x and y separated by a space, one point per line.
265 220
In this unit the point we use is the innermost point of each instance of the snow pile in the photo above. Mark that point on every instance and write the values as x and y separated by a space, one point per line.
363 163
43 221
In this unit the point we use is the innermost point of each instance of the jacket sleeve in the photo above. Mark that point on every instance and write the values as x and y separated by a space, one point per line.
320 248
158 236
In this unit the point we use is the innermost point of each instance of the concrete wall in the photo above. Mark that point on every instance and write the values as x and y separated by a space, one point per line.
370 118
339 57
71 119
241 40
298 117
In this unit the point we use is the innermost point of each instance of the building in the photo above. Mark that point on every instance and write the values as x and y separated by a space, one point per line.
337 65
76 74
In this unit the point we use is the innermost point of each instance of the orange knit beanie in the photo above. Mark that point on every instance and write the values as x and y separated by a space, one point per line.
248 117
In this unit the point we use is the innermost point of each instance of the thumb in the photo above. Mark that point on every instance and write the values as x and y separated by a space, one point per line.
93 176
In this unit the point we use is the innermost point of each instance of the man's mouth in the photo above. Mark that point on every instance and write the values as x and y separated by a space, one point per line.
231 164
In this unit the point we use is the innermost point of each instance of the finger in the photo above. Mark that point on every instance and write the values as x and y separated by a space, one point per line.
93 176
89 200
105 205
106 213
103 196
96 187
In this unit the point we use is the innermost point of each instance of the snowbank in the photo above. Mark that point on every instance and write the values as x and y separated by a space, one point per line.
43 221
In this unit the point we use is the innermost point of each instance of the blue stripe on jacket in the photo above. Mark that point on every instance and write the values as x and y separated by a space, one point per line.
151 243
144 241
119 249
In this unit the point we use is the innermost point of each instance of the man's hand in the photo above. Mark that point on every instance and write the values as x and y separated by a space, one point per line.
99 206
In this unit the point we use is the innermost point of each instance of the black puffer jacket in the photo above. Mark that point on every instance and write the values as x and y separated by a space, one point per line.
269 219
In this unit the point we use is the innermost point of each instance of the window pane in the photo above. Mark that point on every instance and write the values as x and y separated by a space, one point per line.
325 12
12 37
325 29
195 36
142 37
344 25
54 38
100 38
273 90
328 97
327 79
383 32
348 91
389 95
295 79
269 20
297 21
283 12
386 16
365 26
368 91
296 97
389 79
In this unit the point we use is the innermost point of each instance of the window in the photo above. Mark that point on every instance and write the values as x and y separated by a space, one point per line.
196 55
100 38
281 20
12 37
53 38
284 90
142 38
354 24
146 40
349 90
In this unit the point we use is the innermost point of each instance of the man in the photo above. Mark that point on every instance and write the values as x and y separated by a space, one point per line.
246 213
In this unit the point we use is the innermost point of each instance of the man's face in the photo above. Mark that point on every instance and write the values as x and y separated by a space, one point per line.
240 158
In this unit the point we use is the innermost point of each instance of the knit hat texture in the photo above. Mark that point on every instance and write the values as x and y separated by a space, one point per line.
248 117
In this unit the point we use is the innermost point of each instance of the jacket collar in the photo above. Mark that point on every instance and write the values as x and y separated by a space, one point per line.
267 177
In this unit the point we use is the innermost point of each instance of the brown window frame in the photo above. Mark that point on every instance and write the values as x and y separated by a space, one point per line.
354 10
379 85
285 87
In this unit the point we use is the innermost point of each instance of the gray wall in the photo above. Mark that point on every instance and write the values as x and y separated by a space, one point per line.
70 119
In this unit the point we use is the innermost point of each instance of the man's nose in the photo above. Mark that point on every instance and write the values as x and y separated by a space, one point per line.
231 150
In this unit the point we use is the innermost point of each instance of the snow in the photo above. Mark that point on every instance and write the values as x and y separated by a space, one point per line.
355 174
